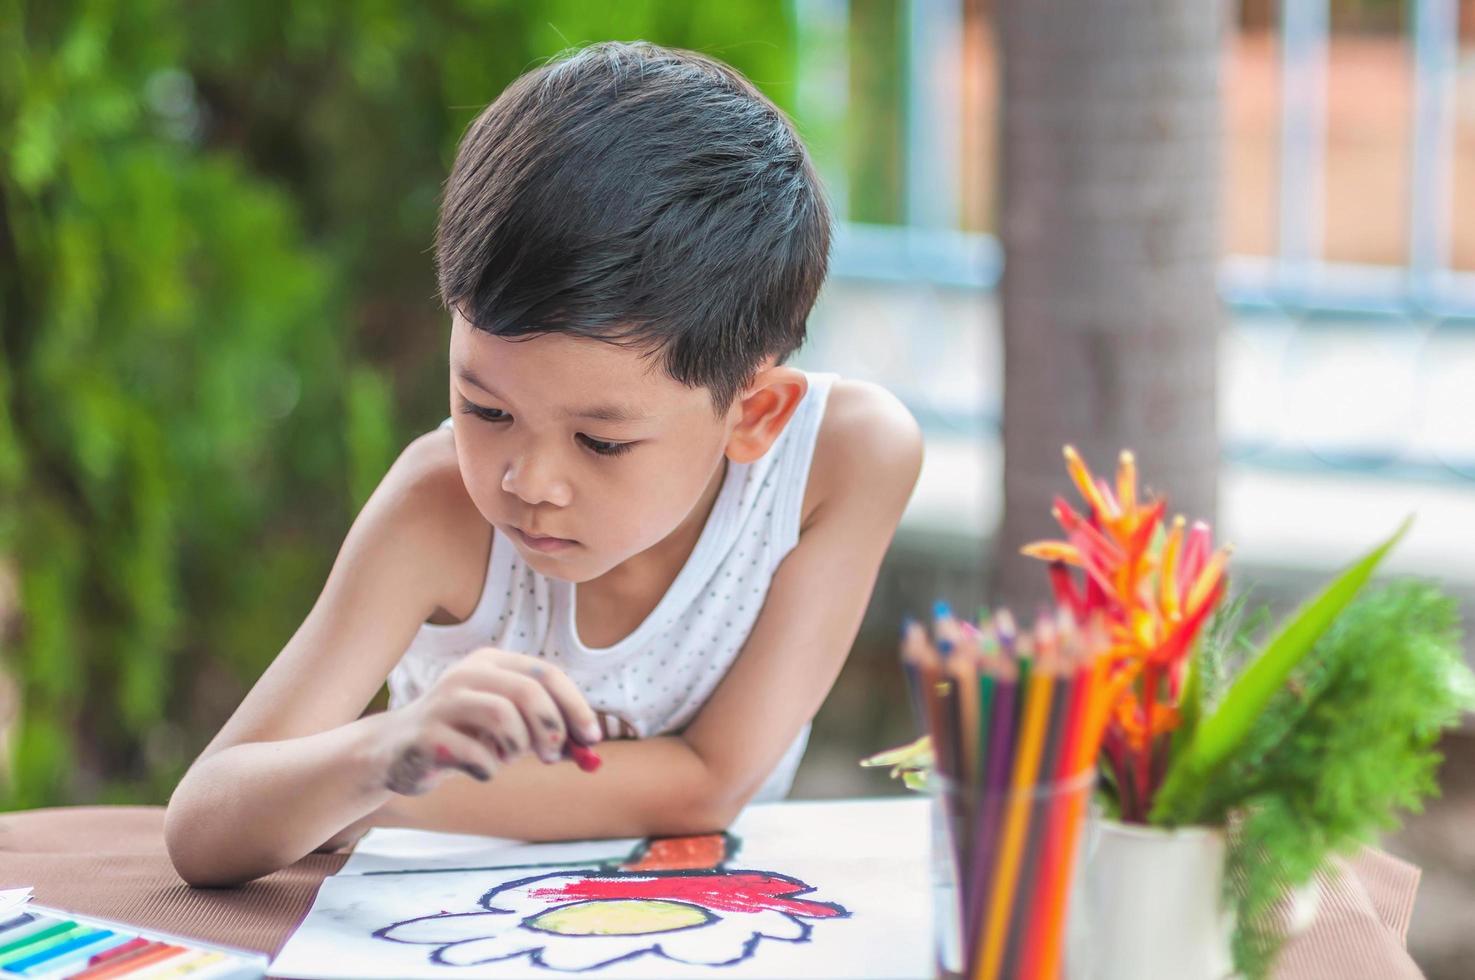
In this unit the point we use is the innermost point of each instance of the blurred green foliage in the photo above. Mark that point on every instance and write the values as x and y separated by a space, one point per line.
1343 752
876 163
218 323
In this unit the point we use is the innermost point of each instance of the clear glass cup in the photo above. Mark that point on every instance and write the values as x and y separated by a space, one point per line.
1003 876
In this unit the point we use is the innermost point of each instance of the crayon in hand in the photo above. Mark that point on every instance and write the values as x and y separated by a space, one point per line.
586 758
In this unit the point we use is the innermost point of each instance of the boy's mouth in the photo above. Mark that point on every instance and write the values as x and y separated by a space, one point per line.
545 543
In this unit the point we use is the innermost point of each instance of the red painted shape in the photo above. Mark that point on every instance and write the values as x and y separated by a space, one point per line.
696 853
742 891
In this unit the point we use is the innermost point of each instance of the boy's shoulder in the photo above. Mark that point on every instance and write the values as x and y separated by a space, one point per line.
868 445
427 508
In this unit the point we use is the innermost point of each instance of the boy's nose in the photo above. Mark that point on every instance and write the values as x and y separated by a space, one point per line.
534 483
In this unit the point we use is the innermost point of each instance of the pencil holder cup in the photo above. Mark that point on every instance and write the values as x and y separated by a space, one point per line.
946 897
1005 868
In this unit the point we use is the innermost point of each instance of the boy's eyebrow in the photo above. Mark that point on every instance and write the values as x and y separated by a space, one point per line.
601 413
607 413
465 374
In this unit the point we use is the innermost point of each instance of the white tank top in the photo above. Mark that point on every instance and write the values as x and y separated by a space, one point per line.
655 680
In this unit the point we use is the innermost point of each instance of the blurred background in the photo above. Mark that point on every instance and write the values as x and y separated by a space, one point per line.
1235 246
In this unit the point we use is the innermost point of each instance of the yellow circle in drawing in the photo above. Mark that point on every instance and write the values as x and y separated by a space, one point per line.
620 917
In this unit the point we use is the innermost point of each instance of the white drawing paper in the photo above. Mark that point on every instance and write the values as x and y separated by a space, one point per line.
812 889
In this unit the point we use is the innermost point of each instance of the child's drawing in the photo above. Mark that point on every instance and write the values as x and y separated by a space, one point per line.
674 899
822 889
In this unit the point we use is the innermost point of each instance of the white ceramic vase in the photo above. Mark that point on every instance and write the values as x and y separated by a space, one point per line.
1150 905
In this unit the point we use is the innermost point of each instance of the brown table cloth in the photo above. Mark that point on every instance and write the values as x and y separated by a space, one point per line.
110 862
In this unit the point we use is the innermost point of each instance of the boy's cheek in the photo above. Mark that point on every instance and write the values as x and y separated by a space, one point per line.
485 491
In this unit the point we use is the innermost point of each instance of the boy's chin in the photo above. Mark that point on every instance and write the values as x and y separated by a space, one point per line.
572 568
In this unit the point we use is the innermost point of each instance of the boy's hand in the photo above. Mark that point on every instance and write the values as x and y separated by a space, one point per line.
484 711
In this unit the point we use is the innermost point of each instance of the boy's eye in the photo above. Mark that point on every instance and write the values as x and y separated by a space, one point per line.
482 412
606 448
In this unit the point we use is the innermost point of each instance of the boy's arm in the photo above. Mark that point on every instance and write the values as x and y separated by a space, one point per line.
866 463
295 763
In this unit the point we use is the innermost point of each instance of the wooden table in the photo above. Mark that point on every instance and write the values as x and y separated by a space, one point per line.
110 862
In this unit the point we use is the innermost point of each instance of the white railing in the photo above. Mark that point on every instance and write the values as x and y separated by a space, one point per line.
1296 279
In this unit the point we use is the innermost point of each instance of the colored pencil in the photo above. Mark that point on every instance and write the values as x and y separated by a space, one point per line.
1049 883
963 673
918 655
913 677
962 668
987 681
1095 704
991 804
1040 808
1016 822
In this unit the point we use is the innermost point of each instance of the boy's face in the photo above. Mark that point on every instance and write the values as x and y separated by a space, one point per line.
581 452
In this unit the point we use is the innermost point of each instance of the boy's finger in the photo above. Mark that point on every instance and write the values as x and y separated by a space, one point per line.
494 717
454 749
539 710
571 704
543 720
575 708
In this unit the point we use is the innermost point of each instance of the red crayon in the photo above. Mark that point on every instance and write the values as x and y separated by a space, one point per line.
586 758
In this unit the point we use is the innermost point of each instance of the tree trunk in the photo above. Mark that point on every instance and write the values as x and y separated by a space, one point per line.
1110 227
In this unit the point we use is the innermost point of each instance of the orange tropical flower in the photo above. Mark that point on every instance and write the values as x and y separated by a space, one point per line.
1155 588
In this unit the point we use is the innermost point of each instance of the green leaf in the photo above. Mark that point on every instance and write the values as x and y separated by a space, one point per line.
911 762
1217 736
909 754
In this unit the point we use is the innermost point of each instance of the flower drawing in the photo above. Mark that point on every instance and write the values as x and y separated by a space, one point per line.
671 903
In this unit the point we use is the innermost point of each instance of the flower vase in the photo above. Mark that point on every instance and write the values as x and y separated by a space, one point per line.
1152 905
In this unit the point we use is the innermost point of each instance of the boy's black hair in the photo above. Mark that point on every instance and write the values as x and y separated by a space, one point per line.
638 195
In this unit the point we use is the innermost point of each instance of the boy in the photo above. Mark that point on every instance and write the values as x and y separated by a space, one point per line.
639 527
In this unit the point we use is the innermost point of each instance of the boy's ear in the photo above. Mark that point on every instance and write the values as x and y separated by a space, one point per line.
763 409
